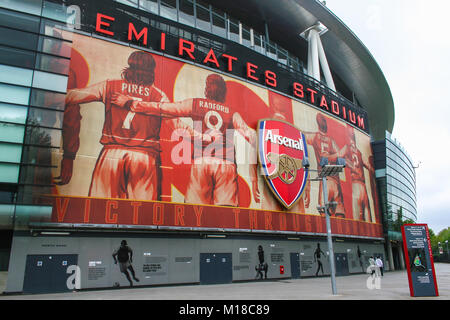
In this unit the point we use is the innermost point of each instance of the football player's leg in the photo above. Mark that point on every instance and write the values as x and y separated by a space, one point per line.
201 184
335 194
141 175
365 204
226 185
108 178
357 203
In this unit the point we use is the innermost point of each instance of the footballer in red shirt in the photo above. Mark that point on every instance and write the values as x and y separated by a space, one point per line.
214 178
128 166
325 147
356 163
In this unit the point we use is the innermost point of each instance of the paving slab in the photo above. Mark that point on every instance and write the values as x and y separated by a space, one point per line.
393 286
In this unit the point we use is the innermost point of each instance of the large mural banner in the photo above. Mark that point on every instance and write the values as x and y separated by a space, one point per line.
152 141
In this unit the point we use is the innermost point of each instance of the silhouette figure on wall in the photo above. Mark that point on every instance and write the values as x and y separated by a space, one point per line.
317 258
125 256
262 266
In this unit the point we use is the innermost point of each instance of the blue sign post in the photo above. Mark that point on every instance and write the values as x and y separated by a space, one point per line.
419 260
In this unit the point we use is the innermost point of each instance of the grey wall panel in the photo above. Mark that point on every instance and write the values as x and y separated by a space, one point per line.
158 260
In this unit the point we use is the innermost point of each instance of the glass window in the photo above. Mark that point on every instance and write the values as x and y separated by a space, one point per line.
7 211
246 36
12 113
149 5
19 21
46 99
234 30
55 11
218 26
52 64
49 81
282 55
55 47
36 175
11 132
186 13
131 3
257 38
55 29
43 136
203 18
9 172
15 75
10 152
37 155
17 57
29 6
13 94
168 9
19 39
45 117
271 50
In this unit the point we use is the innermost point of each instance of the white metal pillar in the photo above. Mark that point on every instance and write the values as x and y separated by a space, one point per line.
317 58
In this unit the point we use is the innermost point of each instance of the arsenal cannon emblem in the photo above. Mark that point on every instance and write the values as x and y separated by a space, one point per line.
281 150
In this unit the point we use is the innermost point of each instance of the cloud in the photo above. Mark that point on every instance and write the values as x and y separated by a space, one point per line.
409 40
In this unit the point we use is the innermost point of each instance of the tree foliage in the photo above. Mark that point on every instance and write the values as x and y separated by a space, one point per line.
441 237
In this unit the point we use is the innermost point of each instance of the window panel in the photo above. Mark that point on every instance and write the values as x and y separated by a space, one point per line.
271 51
149 5
258 42
10 152
203 18
45 118
43 136
15 75
13 113
282 55
13 94
36 175
6 211
219 26
52 64
48 81
11 132
168 9
9 173
19 21
186 12
46 99
234 31
19 39
55 46
55 29
29 6
37 155
131 3
55 11
246 36
17 57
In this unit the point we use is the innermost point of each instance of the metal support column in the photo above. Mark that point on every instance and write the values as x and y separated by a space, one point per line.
330 241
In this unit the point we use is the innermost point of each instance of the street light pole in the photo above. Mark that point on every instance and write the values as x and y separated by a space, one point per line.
325 171
330 241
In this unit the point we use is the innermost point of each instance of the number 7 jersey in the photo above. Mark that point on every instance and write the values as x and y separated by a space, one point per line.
122 126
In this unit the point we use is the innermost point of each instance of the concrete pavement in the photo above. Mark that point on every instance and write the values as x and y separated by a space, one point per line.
393 286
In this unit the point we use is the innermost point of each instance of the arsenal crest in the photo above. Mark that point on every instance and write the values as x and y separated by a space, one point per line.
281 149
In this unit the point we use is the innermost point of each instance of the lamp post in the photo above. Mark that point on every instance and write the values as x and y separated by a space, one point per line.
446 242
327 170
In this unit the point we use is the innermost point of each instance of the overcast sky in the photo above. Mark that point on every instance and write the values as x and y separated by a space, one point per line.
410 42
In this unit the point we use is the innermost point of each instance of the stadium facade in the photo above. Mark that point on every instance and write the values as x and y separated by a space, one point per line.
150 142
